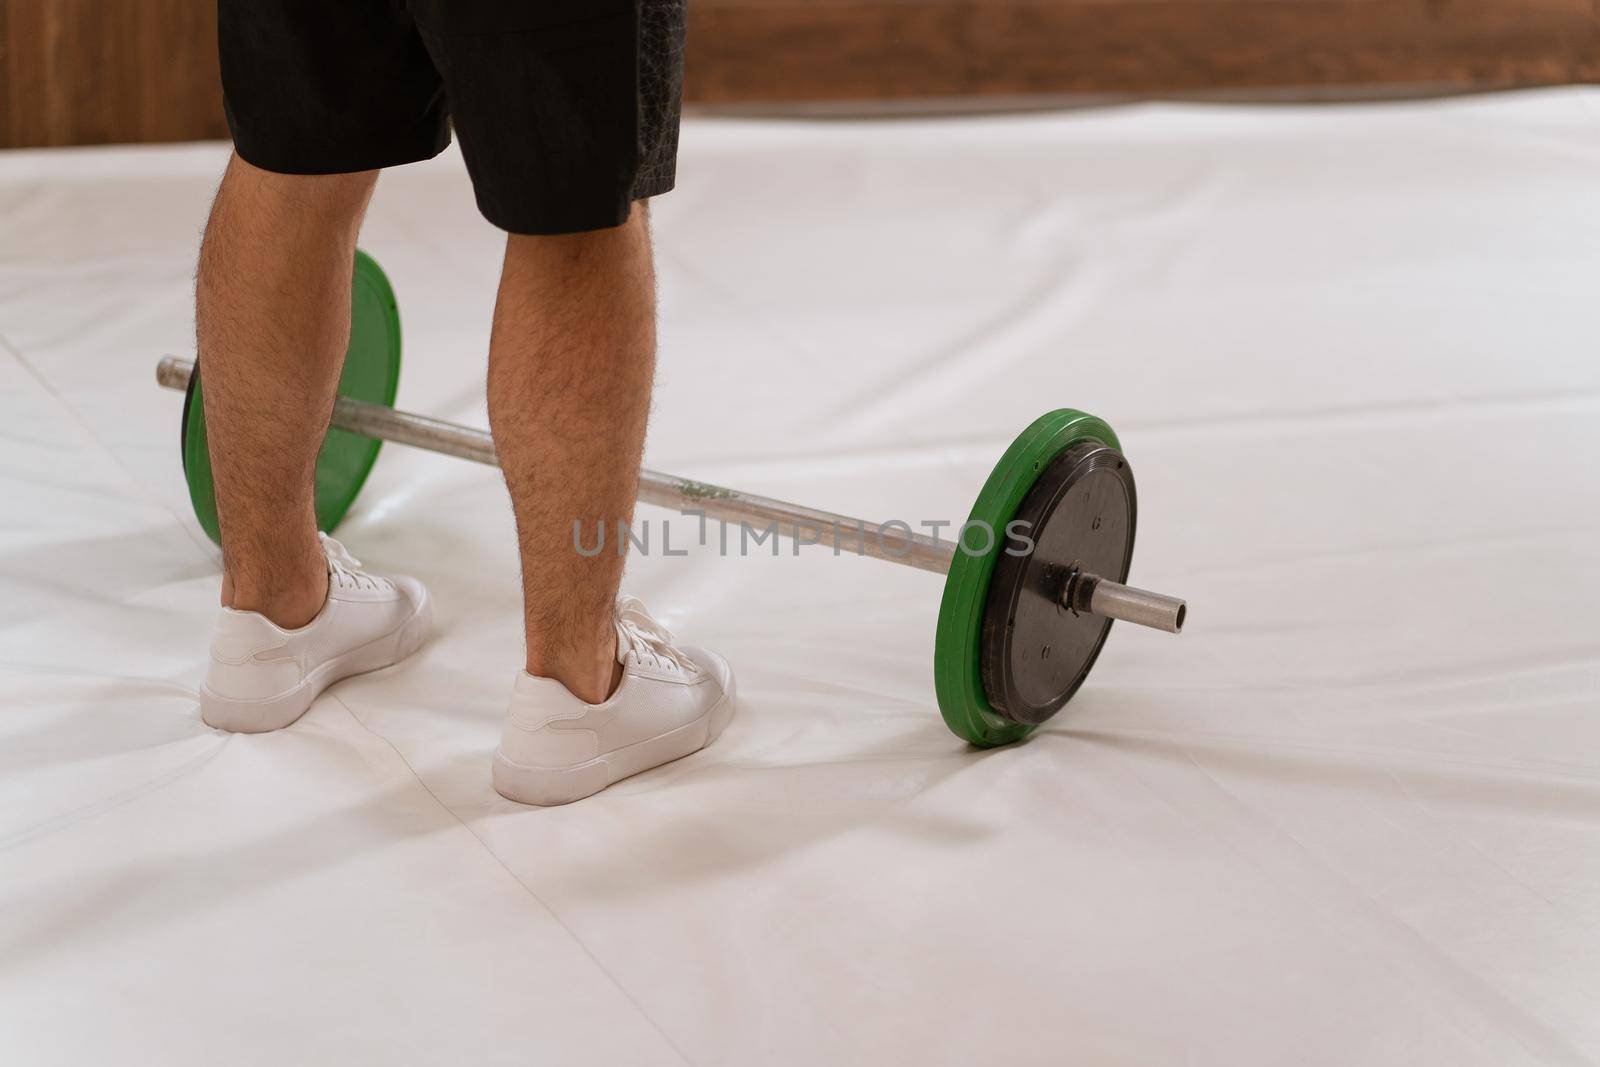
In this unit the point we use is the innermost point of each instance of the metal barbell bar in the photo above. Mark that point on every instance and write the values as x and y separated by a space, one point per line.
1091 593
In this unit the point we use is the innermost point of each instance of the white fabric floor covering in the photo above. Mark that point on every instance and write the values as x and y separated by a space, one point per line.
1350 816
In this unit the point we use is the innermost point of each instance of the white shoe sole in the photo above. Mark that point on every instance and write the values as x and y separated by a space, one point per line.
276 712
549 786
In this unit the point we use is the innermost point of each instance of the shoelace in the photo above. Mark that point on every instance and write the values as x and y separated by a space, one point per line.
647 640
344 569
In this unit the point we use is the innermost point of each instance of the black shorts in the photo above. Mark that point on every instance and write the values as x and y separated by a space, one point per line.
567 110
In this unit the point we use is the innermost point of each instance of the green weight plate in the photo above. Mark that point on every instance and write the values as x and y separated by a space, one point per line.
957 672
371 373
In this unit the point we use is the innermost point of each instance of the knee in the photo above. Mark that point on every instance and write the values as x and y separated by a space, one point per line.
330 198
606 249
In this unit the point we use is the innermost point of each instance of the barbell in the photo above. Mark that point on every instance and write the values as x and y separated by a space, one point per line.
1032 583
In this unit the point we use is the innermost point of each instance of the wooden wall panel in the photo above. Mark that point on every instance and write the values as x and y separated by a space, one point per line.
95 71
744 51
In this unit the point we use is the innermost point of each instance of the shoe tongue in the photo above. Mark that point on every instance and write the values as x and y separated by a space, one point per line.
634 629
636 637
639 632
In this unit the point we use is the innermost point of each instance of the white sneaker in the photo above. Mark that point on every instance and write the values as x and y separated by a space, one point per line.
670 702
263 677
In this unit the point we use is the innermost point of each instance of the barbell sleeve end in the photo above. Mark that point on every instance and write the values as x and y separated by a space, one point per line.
173 373
1113 600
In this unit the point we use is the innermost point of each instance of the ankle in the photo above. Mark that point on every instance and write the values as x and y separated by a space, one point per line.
289 607
592 677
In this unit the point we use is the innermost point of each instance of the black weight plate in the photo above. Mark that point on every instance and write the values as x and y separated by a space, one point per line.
1035 651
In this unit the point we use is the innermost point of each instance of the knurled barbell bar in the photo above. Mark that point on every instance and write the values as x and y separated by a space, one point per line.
1023 616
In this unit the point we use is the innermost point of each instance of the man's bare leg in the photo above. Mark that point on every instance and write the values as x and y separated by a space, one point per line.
272 311
570 368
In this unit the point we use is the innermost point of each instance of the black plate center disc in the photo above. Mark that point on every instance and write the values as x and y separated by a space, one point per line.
1080 514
